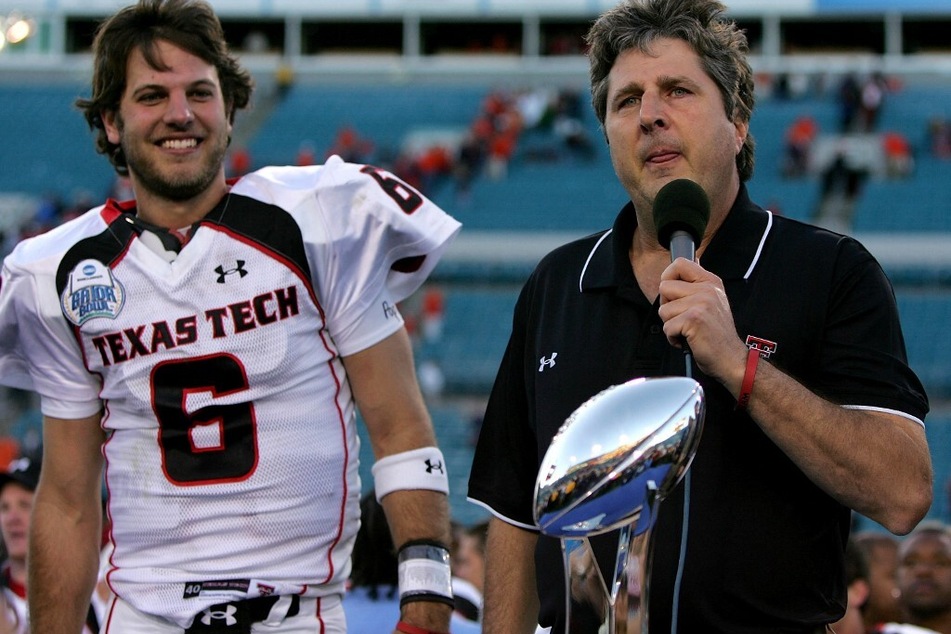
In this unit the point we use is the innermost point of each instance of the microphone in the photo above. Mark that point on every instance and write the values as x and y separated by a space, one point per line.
681 213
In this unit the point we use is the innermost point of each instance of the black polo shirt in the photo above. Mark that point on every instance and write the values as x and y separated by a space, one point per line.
764 547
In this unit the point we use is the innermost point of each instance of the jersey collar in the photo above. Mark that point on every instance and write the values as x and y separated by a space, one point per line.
732 254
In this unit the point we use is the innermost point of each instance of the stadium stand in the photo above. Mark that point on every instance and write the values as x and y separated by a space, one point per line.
383 114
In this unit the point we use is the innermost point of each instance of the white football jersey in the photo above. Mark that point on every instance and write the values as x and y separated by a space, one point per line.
231 458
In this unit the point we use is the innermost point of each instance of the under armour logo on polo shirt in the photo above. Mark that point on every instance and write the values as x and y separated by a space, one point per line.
549 362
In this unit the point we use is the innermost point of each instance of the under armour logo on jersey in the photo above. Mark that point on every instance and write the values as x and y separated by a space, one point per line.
223 272
547 363
433 466
226 615
389 310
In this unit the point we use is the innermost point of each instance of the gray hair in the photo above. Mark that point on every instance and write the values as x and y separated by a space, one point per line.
720 44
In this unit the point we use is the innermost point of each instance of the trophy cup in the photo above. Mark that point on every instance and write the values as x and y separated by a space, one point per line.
609 467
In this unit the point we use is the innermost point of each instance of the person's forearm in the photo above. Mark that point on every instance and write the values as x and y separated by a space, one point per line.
874 463
510 599
420 514
63 567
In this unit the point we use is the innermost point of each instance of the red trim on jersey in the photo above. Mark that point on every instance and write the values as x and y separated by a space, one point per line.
346 456
115 208
112 611
320 617
15 586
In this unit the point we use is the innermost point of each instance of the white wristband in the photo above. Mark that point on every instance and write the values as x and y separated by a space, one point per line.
422 468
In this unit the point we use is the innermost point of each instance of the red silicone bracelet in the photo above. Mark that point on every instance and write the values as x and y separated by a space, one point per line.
406 628
752 360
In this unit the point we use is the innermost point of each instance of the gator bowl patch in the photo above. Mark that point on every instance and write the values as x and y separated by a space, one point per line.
92 291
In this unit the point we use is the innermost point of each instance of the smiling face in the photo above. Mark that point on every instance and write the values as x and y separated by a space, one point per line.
665 120
172 125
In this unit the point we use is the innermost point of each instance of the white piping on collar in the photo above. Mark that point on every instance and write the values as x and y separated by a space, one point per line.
759 249
588 261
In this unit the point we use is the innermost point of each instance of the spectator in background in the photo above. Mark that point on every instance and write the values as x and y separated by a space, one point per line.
17 488
306 155
432 313
240 162
284 80
881 553
850 98
469 158
841 183
501 148
924 577
871 100
939 136
799 138
899 159
468 569
350 146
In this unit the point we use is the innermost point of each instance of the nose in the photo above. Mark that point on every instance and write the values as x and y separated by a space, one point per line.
652 112
179 111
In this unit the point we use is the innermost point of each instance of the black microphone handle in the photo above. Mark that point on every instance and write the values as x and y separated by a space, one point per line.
683 246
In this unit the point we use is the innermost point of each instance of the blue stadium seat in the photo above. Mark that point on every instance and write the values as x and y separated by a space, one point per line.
925 316
48 148
476 327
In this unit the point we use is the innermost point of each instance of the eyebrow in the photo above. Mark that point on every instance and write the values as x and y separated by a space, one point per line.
665 82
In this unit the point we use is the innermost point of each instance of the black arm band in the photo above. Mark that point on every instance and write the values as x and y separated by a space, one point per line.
424 572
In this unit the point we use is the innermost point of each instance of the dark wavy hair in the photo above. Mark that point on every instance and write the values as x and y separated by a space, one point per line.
721 45
188 24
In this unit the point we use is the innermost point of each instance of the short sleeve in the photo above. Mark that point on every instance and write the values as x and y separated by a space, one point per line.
383 241
38 351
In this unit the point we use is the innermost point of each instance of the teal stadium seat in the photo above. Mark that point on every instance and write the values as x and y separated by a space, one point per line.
47 146
925 315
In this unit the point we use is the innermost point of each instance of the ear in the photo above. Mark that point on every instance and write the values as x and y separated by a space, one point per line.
742 130
858 593
110 126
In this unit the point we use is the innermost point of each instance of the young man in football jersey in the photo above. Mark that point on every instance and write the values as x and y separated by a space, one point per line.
206 346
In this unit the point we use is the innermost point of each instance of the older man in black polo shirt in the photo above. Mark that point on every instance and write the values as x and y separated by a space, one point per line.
811 408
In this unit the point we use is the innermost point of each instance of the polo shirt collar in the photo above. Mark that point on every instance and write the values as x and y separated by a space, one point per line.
732 254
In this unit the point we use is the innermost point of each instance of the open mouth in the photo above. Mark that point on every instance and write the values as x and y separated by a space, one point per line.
179 144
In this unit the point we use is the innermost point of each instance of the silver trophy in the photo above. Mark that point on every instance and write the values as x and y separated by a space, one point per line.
608 467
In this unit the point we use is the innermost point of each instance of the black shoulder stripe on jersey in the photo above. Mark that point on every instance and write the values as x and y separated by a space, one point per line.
267 225
105 247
